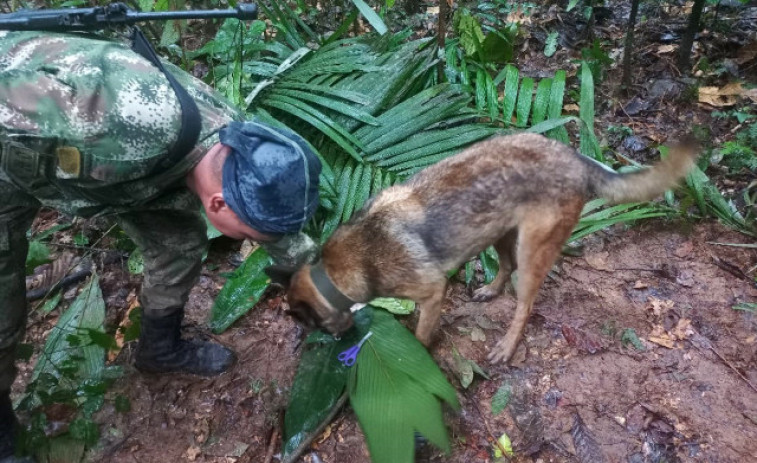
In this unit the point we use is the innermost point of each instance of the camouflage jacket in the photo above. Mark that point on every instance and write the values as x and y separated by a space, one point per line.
83 121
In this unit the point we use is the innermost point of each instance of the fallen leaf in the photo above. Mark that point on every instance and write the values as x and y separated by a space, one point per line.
432 10
660 337
666 48
682 330
571 108
193 452
723 96
658 306
326 434
640 285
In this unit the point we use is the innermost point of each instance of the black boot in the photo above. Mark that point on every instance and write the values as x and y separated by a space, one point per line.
8 425
161 349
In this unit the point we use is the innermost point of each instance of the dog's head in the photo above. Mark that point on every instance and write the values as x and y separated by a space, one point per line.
306 304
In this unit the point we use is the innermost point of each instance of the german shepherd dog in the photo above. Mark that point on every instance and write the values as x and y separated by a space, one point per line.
521 193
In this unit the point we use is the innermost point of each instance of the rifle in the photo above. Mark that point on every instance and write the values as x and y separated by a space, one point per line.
114 14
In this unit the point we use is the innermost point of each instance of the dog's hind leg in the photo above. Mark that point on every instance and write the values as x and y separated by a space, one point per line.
506 248
430 311
542 235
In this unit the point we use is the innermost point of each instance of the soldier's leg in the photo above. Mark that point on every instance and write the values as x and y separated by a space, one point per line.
14 222
172 244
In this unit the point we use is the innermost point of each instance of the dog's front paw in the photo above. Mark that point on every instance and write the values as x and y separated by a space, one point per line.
502 352
485 293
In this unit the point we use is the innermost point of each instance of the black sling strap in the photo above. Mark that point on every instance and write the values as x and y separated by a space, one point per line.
190 116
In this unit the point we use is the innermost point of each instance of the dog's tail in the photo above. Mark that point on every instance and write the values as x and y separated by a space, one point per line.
644 184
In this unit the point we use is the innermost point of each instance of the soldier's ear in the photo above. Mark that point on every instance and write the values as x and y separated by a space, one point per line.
280 274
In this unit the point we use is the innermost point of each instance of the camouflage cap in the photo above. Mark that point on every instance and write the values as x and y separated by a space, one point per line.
270 179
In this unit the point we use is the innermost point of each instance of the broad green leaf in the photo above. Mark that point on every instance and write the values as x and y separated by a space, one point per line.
319 383
87 312
589 145
395 389
571 4
511 93
38 254
395 306
241 291
373 19
554 110
489 263
629 337
525 97
541 101
501 398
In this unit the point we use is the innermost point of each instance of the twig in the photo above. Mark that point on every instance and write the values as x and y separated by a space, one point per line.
76 277
724 360
292 457
274 439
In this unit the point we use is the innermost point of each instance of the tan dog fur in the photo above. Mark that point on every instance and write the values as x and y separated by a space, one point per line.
521 193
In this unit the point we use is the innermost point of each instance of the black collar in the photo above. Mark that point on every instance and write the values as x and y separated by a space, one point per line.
326 287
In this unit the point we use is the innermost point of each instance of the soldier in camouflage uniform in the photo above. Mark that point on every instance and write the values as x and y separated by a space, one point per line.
83 124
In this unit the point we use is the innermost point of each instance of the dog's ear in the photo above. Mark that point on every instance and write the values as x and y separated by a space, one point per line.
280 274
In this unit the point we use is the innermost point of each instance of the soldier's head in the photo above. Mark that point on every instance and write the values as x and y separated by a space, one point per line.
268 182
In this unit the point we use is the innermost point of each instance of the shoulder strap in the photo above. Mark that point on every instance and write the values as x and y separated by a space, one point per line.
190 116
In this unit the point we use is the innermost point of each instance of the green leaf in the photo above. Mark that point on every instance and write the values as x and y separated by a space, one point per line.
319 382
550 47
373 19
395 306
87 312
51 303
394 390
571 4
589 144
501 398
85 430
525 97
37 255
541 101
554 110
466 368
511 92
629 337
241 291
102 339
80 239
135 264
746 307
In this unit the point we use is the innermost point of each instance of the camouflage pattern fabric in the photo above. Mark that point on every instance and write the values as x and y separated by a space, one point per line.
82 123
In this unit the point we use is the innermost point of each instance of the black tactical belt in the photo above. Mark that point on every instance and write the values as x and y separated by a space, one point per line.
190 115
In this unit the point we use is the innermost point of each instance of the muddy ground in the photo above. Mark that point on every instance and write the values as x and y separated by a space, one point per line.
688 396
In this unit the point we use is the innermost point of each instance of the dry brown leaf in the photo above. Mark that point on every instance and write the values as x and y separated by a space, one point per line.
666 48
193 452
432 10
325 435
571 108
682 330
721 97
659 306
125 323
660 337
518 16
598 260
640 285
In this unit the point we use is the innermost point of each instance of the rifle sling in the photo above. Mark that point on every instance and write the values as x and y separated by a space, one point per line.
190 116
